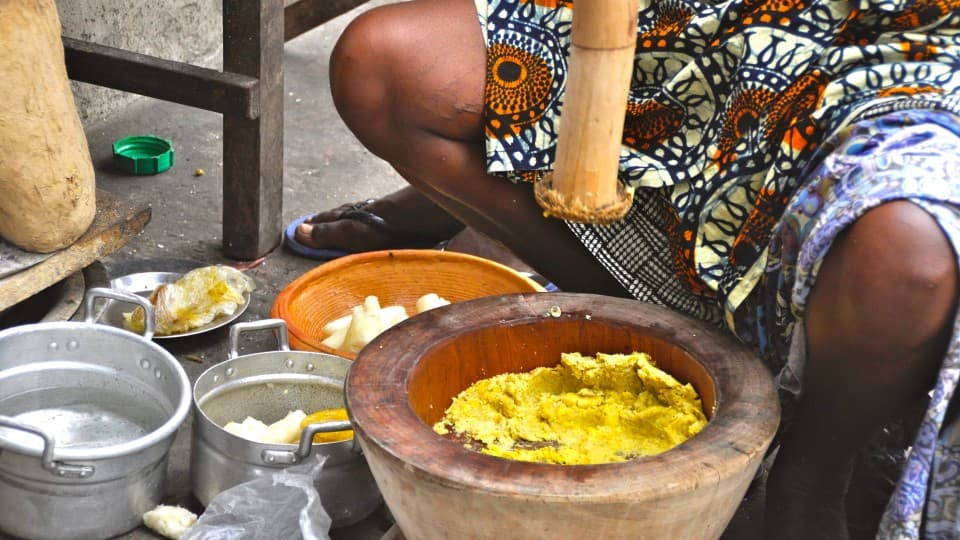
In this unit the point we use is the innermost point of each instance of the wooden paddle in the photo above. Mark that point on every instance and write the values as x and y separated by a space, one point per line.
583 185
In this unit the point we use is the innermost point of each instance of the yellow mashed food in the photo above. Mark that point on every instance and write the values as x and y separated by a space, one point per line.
586 410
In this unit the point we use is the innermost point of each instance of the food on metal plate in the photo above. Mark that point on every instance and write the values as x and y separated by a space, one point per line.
169 521
586 410
198 298
354 331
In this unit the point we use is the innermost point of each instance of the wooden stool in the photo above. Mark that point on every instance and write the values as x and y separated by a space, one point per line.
248 92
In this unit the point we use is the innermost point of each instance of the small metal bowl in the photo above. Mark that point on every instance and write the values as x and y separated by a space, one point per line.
143 284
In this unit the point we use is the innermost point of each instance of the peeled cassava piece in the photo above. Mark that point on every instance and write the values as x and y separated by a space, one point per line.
368 320
46 175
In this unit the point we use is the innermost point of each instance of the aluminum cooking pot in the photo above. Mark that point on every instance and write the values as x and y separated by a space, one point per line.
87 416
267 386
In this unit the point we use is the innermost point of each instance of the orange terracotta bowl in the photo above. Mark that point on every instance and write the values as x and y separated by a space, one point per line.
395 277
401 384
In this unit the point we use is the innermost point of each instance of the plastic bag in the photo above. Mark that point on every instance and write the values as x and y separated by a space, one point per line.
284 504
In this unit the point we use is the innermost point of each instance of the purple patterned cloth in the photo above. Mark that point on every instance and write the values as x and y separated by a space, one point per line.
912 155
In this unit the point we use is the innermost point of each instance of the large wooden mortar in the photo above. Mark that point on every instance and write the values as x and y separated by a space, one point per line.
403 381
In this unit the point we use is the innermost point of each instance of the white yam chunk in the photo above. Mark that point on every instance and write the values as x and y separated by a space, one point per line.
363 328
169 521
337 325
285 430
335 340
391 315
430 301
250 429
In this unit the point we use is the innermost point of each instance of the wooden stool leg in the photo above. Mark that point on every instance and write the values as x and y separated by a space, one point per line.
253 148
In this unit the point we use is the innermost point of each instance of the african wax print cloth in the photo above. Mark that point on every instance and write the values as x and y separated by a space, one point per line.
732 108
727 105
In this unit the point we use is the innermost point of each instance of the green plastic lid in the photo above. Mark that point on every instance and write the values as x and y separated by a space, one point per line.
143 154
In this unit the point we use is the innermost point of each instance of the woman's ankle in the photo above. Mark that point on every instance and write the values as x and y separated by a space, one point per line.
804 501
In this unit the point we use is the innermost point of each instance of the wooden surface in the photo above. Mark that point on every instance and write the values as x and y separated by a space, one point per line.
116 223
436 488
583 185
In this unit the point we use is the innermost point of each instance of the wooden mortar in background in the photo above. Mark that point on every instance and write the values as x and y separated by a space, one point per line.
583 185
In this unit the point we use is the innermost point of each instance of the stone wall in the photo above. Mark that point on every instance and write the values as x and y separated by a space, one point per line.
181 30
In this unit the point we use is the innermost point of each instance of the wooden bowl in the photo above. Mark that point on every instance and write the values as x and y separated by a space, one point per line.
395 277
402 382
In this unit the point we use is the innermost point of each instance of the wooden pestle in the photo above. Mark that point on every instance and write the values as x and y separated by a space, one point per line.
583 185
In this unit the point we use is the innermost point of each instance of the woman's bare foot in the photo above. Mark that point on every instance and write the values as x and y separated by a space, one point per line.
404 218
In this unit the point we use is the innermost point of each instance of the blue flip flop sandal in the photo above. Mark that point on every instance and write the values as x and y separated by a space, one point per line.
320 254
357 212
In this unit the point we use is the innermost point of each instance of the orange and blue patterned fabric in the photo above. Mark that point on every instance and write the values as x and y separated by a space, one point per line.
733 106
727 106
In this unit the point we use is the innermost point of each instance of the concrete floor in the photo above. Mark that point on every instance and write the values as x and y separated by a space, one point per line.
324 167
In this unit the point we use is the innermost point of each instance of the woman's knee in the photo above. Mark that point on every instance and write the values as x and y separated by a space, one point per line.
889 282
410 72
359 81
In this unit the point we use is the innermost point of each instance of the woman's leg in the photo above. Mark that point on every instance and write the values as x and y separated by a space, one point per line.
878 322
408 80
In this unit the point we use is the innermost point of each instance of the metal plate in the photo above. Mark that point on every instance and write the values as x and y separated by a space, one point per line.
143 284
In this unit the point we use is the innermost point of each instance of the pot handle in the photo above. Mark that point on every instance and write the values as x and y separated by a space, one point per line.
303 451
279 325
55 468
149 319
